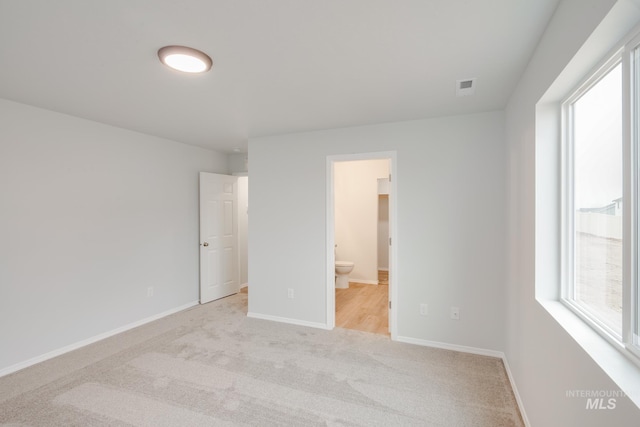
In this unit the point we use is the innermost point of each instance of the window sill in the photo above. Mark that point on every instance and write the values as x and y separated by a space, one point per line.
612 359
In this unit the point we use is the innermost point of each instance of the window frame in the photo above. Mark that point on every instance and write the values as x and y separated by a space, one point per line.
631 293
627 53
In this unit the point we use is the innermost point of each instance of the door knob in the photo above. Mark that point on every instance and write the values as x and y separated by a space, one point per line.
205 244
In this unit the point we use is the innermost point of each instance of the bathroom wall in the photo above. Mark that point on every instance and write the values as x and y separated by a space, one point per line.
356 215
383 232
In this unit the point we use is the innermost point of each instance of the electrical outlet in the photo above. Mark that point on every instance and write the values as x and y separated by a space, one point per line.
423 310
455 313
290 293
149 291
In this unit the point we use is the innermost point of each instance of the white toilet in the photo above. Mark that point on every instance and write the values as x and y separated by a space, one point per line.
343 268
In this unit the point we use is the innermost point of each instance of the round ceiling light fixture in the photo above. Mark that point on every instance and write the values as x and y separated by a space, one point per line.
185 59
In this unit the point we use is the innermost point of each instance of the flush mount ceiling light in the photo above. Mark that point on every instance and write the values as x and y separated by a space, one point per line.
185 59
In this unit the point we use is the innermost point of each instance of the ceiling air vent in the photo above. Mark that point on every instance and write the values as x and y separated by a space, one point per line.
465 87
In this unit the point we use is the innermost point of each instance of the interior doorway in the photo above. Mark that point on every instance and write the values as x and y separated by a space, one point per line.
360 226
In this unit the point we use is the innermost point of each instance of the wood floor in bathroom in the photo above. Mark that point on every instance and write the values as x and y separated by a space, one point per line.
363 307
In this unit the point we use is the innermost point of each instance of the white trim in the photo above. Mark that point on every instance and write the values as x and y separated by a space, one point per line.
630 298
365 282
519 402
621 55
330 299
393 233
454 347
66 349
480 352
621 366
244 285
568 222
287 320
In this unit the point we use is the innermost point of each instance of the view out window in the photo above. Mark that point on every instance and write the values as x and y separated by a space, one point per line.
601 123
596 118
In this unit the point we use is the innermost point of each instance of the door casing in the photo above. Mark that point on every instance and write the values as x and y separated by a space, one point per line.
330 233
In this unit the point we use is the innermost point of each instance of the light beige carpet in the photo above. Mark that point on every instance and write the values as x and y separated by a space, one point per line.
213 366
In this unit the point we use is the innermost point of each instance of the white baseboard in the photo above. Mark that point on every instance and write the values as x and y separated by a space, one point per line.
481 352
515 392
244 285
287 320
50 355
454 347
366 282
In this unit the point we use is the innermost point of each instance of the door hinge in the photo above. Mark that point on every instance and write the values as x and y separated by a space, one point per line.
389 305
389 241
389 177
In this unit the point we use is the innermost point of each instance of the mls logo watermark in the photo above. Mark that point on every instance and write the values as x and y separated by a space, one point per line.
601 403
597 399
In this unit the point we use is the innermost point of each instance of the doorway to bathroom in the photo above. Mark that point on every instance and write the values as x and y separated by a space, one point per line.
360 254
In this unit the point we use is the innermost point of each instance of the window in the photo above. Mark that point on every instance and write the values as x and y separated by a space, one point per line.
594 199
599 196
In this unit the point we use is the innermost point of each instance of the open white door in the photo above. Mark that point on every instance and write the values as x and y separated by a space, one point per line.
219 268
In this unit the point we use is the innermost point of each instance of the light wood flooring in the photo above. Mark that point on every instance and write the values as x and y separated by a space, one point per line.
363 307
383 277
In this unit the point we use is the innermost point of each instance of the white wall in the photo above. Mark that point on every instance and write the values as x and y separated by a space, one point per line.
356 215
545 361
450 238
383 232
238 163
90 216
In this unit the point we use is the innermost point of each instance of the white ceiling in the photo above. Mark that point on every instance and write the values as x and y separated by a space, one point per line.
280 66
